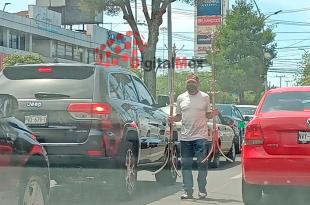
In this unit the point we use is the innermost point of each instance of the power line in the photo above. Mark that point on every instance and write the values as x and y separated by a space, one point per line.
292 11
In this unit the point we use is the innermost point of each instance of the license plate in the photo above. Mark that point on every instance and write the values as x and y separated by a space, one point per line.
304 137
36 120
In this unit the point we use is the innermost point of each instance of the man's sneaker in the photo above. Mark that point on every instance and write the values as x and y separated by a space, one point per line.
202 195
186 195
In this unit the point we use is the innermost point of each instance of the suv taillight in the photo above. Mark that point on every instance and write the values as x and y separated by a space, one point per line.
94 111
90 110
253 135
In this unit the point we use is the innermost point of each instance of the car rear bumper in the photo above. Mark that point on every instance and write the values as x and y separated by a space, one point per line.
81 161
258 167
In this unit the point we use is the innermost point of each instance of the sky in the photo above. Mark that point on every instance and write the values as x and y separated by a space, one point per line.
290 45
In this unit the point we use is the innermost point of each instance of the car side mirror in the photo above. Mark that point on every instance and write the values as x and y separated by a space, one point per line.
163 101
8 105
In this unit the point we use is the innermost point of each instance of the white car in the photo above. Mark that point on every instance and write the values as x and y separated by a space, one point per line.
247 111
226 135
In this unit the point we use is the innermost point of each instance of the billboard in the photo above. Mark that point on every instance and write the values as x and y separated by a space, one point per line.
208 19
71 12
209 8
203 39
53 3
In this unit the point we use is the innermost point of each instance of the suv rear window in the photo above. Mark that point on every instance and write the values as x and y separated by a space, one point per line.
25 81
287 101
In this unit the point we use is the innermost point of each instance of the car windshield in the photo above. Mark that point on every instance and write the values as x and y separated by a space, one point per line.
225 110
287 101
247 110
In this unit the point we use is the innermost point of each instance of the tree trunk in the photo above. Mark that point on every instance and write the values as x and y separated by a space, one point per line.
149 58
241 98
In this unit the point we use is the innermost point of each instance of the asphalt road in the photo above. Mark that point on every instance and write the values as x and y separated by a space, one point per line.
224 187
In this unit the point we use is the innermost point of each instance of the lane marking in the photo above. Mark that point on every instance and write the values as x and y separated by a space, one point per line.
237 176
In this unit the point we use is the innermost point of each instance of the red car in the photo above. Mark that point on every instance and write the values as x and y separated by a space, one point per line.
276 148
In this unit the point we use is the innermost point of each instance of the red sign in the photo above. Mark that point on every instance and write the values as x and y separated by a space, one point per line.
209 20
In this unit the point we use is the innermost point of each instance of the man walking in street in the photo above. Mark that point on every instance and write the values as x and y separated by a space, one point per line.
193 109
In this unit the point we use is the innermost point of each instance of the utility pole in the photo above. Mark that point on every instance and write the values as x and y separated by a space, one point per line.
169 24
280 77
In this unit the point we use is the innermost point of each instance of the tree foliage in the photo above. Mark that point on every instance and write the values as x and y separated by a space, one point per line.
305 75
242 44
180 86
13 59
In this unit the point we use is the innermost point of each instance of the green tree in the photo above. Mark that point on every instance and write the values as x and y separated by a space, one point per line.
20 58
154 19
242 44
180 83
305 75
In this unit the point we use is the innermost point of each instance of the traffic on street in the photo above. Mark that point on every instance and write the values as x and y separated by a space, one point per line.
154 102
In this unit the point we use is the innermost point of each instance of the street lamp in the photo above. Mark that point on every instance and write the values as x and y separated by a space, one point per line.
263 49
5 4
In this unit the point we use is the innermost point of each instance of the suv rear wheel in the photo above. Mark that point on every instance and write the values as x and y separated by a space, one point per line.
251 194
168 175
128 167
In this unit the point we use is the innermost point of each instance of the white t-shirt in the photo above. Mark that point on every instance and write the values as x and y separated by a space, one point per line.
193 109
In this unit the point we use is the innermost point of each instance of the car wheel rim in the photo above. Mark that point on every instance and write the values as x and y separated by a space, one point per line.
130 172
33 194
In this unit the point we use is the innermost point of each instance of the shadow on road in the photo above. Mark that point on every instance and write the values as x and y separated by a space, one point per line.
226 165
216 201
84 194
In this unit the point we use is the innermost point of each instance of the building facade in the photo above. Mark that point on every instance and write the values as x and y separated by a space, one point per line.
39 31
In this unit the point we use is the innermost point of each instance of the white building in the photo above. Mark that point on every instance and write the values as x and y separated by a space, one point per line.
39 30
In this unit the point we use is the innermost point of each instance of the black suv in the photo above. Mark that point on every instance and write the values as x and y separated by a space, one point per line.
101 120
24 165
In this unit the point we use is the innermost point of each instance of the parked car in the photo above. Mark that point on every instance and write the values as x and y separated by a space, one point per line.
276 150
91 117
231 112
247 111
24 166
226 136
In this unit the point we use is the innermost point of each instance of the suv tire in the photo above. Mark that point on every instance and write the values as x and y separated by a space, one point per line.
251 194
232 153
216 162
128 168
33 187
168 175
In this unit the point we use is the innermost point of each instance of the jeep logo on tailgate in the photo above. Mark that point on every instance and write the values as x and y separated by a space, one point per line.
34 104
